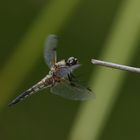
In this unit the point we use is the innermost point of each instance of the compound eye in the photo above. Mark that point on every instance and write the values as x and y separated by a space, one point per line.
72 61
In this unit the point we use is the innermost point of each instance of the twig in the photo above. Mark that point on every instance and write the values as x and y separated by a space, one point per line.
115 66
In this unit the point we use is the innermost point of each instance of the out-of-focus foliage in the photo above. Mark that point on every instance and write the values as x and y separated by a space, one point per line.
88 29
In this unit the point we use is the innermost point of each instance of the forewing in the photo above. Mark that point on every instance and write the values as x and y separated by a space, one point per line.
63 71
73 91
50 50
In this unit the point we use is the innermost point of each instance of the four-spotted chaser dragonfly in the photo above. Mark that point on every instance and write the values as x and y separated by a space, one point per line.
60 78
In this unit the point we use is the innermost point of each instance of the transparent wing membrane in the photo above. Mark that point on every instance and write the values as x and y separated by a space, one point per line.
50 50
72 90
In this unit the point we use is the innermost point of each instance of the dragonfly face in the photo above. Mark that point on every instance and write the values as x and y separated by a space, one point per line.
59 79
71 61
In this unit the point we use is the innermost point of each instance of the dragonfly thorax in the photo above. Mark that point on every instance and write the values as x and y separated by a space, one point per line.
64 68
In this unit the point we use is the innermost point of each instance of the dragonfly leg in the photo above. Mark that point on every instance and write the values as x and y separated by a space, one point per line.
73 76
72 84
70 77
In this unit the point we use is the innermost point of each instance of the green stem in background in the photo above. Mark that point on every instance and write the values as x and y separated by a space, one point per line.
120 47
51 20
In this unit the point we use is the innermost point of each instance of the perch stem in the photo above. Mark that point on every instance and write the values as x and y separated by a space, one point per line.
115 66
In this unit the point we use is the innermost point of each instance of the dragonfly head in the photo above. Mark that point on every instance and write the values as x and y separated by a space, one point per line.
71 61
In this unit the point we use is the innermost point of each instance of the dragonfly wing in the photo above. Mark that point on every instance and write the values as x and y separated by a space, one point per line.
73 91
63 71
50 50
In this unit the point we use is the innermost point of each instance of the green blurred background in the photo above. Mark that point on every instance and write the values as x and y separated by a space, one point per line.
107 30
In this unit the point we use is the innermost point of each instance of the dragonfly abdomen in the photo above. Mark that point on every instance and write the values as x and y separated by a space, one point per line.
44 83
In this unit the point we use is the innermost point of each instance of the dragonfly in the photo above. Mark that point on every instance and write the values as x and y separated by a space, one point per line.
60 78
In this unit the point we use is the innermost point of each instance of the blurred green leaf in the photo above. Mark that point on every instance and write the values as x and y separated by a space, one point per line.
106 83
